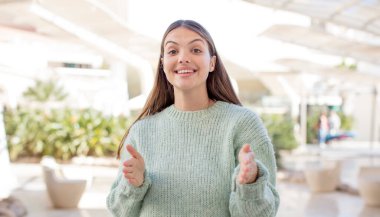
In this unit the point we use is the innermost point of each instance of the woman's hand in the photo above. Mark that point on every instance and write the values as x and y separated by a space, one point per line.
134 167
248 168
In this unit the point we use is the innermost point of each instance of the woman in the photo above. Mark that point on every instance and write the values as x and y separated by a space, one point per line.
194 150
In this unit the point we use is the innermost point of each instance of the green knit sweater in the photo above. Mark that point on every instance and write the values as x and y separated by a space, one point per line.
191 164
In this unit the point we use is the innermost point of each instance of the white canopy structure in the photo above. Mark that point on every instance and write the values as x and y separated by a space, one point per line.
362 15
342 28
325 42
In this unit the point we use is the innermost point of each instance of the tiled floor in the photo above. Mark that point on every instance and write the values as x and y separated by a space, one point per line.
32 192
296 199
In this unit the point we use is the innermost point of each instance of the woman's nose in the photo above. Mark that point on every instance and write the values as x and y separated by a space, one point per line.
183 58
186 61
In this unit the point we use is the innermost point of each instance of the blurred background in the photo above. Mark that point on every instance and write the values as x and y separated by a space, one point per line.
74 75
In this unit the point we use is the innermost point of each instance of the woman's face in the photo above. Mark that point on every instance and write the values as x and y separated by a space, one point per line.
186 60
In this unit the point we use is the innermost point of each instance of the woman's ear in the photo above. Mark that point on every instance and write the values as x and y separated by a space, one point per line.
212 63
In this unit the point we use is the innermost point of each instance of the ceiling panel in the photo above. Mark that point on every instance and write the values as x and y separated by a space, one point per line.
359 14
324 42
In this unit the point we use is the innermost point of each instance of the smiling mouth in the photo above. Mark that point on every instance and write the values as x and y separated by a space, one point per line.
185 71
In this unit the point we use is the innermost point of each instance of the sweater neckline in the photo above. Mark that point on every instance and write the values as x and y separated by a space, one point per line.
178 114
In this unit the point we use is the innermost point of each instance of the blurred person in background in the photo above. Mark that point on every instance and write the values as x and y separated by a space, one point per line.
334 123
323 128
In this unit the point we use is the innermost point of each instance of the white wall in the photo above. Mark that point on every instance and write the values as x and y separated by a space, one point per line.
362 113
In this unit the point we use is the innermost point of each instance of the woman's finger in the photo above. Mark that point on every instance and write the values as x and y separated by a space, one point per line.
132 151
129 176
246 148
128 170
130 180
131 162
242 180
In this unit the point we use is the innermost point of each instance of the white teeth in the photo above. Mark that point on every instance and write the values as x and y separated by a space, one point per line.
184 71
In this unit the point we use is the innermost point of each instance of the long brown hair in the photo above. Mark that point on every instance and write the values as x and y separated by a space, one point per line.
162 95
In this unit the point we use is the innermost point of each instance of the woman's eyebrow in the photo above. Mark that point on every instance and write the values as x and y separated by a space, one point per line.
195 40
170 42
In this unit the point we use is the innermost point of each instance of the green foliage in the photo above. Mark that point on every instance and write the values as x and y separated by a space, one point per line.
62 133
346 121
45 91
345 65
280 130
312 127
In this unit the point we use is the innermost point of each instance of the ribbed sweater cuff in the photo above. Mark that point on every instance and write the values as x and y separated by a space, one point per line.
254 191
137 193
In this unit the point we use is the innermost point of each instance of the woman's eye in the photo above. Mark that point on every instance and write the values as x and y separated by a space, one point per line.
196 50
171 52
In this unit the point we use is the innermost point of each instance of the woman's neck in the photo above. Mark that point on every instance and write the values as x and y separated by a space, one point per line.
187 102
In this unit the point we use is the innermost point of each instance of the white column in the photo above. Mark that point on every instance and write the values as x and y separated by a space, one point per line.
120 87
374 119
147 76
293 95
303 119
377 118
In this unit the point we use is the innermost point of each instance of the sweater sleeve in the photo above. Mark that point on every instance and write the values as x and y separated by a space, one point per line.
124 199
259 198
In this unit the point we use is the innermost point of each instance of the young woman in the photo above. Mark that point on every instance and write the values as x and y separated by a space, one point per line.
194 150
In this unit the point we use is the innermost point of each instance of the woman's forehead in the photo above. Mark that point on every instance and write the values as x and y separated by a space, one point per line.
182 34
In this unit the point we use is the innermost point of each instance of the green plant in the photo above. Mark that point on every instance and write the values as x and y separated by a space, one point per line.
280 130
312 127
44 91
345 65
62 133
346 121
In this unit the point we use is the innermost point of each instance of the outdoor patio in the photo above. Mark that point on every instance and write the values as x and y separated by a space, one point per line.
289 58
32 191
296 198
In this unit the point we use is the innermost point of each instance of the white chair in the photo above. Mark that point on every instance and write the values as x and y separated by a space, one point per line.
369 185
63 192
323 178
